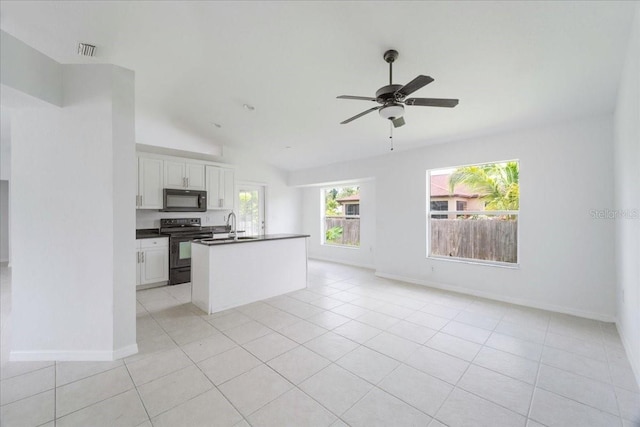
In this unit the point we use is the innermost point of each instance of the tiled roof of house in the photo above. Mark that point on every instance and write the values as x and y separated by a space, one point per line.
440 188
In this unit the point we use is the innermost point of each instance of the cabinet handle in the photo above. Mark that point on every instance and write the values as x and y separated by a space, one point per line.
140 200
142 253
220 202
187 182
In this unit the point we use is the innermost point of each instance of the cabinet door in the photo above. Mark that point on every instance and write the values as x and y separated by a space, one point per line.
138 258
155 265
150 183
228 184
174 174
195 176
214 198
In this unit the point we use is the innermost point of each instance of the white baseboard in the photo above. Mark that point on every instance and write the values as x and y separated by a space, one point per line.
73 356
342 261
634 359
518 301
125 351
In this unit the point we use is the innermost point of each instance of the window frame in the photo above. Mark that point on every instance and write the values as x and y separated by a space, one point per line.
457 214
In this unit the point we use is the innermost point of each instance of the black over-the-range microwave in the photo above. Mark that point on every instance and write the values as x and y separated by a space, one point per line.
184 200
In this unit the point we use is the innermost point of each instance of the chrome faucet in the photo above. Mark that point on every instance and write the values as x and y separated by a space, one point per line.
234 231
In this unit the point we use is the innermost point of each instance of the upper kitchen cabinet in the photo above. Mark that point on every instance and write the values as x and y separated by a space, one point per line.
150 183
184 175
220 188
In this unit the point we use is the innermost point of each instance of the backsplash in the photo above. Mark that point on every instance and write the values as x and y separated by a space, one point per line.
147 218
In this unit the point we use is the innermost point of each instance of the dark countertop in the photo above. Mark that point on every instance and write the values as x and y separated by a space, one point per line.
262 238
148 233
152 233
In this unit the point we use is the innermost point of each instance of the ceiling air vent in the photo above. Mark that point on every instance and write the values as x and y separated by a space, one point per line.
85 49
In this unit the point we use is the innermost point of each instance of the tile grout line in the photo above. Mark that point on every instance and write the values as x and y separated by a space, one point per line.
615 392
137 393
195 364
55 393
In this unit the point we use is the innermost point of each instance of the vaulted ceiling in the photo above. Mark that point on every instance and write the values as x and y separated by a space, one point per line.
511 64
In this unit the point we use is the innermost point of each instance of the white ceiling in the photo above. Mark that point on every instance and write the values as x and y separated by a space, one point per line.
511 64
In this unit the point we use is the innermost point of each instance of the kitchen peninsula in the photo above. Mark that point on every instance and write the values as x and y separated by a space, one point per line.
228 273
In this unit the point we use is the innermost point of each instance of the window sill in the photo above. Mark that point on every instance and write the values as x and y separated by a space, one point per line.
509 266
329 245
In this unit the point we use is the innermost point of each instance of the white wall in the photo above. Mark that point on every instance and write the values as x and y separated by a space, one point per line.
4 221
73 222
312 208
160 131
627 199
124 171
5 144
25 69
566 256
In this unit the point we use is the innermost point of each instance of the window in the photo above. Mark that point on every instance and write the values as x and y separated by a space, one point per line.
484 225
341 216
352 209
439 205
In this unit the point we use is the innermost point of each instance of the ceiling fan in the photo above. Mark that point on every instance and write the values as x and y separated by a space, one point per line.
393 96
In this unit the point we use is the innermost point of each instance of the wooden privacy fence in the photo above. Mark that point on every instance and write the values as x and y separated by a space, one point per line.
350 230
490 240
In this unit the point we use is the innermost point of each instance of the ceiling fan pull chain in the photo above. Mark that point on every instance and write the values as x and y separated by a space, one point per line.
391 134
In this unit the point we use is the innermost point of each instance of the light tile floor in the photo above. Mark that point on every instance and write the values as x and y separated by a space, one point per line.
351 349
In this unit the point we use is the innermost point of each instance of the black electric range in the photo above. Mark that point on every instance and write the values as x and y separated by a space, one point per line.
181 232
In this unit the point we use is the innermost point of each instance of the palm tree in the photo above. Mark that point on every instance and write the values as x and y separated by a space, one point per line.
497 183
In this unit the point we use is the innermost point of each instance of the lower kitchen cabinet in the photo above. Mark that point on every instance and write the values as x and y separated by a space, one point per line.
152 257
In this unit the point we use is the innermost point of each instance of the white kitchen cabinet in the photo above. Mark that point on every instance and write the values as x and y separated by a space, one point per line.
150 183
184 175
152 260
220 188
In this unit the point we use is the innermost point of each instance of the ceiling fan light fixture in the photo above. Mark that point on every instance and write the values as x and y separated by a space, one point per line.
392 111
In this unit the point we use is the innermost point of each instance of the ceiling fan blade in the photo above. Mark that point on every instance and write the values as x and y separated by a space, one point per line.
432 102
360 115
398 122
360 98
414 85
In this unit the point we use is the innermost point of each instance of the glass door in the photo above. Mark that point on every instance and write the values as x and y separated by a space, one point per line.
251 209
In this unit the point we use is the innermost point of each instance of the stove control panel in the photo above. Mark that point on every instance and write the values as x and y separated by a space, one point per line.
179 222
